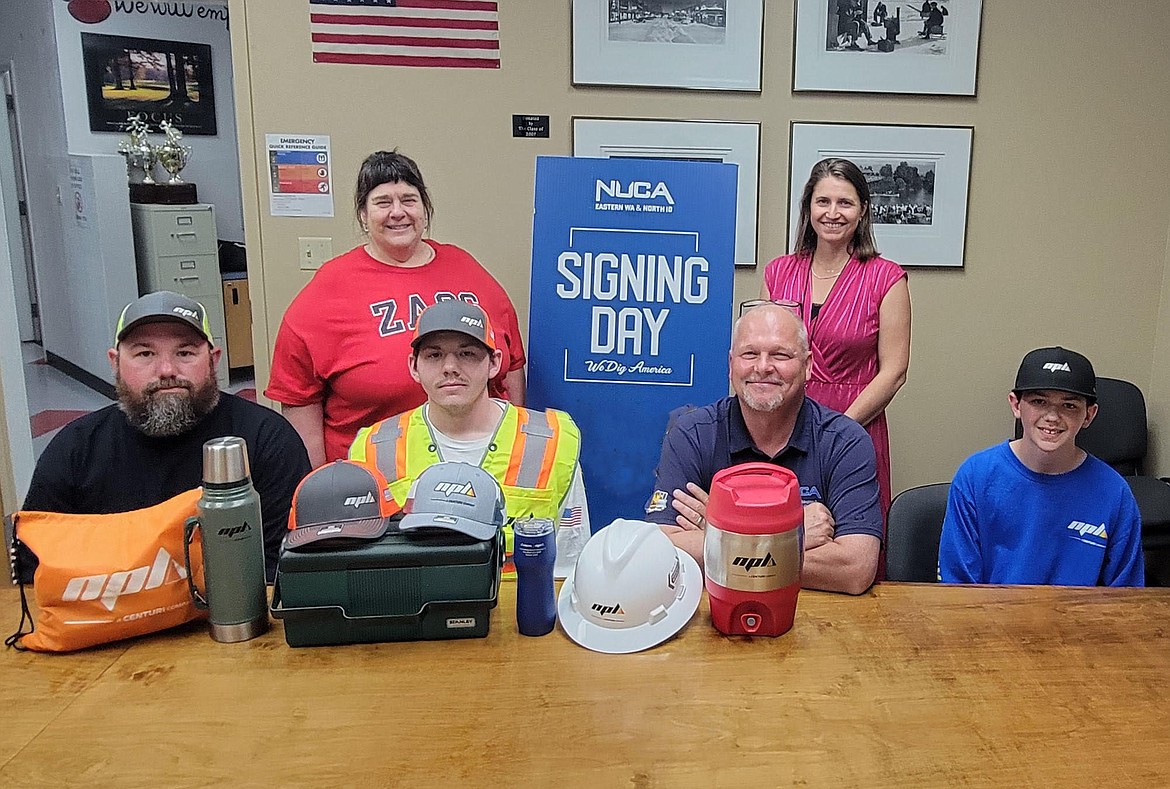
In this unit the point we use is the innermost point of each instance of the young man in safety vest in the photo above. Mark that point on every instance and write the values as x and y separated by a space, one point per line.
533 454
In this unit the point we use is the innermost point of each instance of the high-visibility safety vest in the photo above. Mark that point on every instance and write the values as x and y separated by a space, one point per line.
533 455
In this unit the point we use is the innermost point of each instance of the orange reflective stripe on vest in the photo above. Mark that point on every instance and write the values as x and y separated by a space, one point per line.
540 446
387 447
516 459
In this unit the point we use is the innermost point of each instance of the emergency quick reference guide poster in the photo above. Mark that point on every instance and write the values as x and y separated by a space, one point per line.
300 175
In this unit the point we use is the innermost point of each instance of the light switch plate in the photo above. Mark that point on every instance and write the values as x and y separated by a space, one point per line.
314 251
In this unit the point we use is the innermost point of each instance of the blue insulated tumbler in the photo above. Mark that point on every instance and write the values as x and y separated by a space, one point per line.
534 554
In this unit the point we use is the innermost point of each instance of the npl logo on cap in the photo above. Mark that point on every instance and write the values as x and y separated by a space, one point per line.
455 489
1054 367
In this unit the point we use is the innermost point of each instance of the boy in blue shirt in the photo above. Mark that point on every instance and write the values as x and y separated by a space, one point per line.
1039 509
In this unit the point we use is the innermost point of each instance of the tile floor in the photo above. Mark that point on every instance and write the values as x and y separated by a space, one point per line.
55 399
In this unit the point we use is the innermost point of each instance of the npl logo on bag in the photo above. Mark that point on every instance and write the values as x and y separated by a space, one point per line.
109 587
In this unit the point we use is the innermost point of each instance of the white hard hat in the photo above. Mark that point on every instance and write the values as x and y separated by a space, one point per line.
630 590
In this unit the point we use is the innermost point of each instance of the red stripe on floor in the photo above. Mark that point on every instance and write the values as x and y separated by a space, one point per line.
48 421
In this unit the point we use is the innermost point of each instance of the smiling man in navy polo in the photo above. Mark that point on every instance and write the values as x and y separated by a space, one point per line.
769 419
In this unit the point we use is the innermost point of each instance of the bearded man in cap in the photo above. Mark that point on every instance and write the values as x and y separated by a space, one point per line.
1039 509
532 454
148 447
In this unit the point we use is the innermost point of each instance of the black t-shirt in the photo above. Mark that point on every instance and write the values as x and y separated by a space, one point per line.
99 464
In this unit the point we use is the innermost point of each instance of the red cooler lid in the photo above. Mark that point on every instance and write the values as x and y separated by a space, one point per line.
755 498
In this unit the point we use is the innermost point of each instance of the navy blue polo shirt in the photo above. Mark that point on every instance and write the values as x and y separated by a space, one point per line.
831 455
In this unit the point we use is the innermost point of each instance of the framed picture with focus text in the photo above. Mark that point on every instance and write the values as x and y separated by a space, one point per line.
883 46
708 45
918 179
712 141
160 80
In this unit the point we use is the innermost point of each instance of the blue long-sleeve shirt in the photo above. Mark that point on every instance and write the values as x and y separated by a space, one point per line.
1007 524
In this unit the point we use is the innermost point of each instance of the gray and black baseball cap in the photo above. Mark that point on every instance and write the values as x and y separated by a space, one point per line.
161 307
457 316
341 499
457 496
1058 369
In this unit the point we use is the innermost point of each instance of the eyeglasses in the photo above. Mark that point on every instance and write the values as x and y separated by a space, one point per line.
744 306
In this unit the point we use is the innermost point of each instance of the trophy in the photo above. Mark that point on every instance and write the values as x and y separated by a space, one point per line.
138 151
172 154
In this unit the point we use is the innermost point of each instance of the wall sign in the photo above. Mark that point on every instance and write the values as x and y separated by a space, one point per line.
300 179
529 125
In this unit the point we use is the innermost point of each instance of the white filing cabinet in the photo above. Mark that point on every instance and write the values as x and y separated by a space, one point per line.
177 249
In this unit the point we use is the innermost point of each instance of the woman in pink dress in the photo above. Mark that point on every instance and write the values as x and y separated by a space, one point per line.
855 303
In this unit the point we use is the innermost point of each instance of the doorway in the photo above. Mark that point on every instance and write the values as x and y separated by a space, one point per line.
12 172
16 323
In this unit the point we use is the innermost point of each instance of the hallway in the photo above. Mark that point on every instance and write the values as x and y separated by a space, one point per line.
55 399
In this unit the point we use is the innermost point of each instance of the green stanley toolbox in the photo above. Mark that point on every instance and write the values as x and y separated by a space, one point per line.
404 586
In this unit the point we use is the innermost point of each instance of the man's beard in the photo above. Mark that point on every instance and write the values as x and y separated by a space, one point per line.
170 413
763 405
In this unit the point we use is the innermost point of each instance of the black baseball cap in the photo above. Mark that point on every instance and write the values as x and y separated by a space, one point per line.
1058 369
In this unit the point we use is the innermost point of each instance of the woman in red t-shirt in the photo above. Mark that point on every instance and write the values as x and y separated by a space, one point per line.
340 361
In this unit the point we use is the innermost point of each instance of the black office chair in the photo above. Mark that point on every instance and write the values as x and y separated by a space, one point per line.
913 529
1118 436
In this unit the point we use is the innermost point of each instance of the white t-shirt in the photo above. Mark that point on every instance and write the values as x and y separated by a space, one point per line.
573 524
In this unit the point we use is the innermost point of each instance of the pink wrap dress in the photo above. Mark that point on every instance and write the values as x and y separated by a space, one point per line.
843 337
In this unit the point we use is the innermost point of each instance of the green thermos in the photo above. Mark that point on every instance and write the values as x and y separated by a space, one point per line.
233 544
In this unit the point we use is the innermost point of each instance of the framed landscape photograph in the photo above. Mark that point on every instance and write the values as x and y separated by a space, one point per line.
918 180
162 80
701 44
706 141
884 46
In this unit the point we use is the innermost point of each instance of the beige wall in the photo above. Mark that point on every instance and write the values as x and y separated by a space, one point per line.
1158 391
1067 230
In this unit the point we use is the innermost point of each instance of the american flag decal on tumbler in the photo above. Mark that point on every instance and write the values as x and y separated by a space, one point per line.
427 33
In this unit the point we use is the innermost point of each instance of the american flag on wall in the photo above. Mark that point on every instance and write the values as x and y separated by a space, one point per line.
428 33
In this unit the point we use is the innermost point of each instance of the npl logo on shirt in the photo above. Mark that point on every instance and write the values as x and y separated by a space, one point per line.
1089 534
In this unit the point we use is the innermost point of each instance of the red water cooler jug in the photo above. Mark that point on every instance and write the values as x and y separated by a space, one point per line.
753 550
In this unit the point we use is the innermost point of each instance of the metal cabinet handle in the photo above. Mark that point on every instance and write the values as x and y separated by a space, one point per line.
191 278
180 236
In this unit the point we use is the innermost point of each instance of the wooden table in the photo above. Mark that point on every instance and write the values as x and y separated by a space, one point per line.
909 685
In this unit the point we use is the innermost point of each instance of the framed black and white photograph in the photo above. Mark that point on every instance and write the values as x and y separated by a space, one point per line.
884 46
705 141
918 179
701 44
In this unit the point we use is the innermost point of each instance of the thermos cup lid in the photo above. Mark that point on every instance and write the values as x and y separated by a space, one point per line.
755 498
341 499
457 496
631 589
225 461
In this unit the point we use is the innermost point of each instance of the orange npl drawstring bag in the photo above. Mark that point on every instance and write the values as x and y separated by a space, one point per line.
103 578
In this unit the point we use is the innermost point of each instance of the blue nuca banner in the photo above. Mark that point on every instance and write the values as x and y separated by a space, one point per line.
630 312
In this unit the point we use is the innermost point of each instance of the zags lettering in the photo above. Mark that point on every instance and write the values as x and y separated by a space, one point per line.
386 310
389 324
